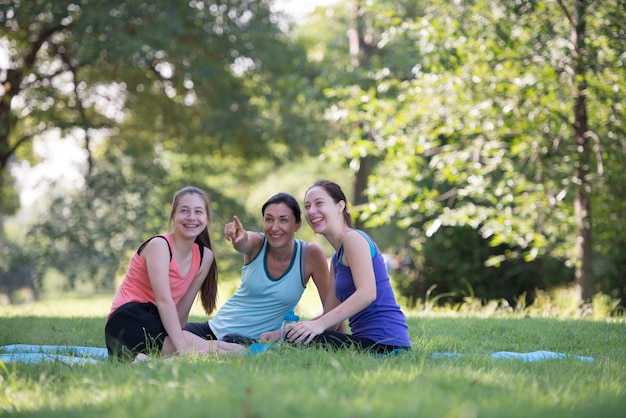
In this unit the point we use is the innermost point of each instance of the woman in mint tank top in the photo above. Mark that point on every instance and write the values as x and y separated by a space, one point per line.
360 287
274 276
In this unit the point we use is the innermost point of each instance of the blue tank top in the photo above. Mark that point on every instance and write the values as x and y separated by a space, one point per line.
261 301
381 321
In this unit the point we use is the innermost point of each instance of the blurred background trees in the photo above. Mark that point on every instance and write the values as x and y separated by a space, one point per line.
482 142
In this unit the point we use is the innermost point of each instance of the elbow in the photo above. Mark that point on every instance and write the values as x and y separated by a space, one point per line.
162 302
370 296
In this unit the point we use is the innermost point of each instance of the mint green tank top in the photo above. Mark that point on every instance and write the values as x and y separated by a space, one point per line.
261 301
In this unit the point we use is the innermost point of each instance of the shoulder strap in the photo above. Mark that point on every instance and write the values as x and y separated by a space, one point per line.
303 247
157 236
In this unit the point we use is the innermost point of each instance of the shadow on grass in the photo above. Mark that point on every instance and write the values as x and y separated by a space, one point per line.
37 330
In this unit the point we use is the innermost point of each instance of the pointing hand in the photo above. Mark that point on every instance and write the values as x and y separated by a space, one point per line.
233 231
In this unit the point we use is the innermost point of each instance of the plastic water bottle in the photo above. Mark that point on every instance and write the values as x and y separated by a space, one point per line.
288 321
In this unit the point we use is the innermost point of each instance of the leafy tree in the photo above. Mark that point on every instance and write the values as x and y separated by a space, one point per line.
487 127
353 55
452 262
86 233
193 77
18 271
162 94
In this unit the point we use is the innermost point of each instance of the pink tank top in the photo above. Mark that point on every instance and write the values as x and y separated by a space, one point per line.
136 285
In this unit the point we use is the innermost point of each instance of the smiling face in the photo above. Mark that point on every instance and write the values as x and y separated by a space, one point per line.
321 211
190 216
279 224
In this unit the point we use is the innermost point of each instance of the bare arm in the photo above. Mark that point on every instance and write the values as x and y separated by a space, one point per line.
316 268
324 280
331 302
357 257
157 256
184 305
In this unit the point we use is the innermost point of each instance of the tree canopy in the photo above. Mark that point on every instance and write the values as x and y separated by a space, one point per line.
499 123
473 112
190 77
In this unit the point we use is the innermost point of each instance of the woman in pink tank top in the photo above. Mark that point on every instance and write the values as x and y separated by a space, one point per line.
152 304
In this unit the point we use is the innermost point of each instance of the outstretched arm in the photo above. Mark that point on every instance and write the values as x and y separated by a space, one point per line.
247 243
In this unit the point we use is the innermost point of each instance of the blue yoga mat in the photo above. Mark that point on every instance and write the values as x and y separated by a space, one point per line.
26 353
532 356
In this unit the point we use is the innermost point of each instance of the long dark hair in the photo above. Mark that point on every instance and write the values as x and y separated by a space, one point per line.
208 290
335 192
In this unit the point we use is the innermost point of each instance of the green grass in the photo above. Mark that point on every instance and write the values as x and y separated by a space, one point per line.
287 382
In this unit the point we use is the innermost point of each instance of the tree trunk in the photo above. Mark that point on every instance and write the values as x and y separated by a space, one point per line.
8 120
359 56
7 124
582 203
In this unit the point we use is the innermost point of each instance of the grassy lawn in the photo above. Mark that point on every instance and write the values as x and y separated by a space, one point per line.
288 382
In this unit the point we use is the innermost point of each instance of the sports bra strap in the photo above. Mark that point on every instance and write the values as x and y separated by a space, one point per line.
339 253
303 248
159 236
200 247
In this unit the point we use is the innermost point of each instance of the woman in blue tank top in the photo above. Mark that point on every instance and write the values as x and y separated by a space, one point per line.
360 287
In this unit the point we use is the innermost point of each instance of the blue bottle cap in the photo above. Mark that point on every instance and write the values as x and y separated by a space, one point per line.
292 317
258 348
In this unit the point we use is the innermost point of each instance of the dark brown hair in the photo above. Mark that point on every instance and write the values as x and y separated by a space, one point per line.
208 291
288 200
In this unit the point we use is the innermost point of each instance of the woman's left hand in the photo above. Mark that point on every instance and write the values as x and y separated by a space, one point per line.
304 332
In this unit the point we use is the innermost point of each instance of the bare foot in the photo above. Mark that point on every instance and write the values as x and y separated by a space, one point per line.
140 358
231 348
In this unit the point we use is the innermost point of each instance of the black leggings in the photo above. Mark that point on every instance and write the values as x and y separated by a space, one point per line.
339 340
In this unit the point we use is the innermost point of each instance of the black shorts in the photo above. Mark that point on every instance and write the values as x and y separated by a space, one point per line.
134 328
203 330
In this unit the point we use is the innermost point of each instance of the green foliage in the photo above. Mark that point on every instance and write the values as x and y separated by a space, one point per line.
89 235
86 233
9 204
479 131
466 107
18 271
454 262
195 78
161 95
